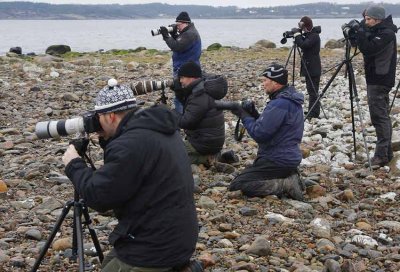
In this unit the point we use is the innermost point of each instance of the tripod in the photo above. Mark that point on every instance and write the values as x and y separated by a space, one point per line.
353 95
79 210
293 51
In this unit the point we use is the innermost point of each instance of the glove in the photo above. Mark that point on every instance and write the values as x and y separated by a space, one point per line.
164 32
174 32
296 32
249 107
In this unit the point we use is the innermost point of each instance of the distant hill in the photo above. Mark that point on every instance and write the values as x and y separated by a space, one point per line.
29 10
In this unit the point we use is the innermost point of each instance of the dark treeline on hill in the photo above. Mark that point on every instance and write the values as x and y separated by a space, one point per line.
29 10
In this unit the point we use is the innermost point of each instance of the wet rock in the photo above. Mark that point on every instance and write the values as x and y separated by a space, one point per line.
34 234
59 49
260 247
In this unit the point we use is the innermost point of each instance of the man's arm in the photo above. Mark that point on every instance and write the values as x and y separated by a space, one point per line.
376 44
182 42
195 110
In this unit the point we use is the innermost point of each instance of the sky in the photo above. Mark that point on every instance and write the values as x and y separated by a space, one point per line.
238 3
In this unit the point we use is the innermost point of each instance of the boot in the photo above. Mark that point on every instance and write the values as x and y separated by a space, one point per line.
228 157
381 161
193 266
293 187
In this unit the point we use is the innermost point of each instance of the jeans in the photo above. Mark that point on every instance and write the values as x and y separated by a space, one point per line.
378 103
312 85
112 264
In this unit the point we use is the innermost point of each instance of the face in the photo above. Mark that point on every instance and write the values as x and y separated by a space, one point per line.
107 124
185 81
181 26
270 86
370 22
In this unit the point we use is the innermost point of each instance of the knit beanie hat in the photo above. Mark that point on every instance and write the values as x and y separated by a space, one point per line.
114 97
277 73
183 17
375 12
307 22
190 69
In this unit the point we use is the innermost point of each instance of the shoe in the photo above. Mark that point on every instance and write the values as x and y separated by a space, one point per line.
381 161
193 266
293 187
228 157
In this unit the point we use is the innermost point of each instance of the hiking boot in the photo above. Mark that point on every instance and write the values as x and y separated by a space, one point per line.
381 161
193 266
293 187
228 157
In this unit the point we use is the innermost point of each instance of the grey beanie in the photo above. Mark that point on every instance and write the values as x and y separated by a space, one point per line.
114 97
376 12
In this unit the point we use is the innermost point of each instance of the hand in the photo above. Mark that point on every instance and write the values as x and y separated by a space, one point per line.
164 32
69 155
250 108
238 110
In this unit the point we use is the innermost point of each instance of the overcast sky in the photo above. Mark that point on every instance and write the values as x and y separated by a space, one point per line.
239 3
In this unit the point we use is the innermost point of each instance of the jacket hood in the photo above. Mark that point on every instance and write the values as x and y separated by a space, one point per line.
290 93
386 23
156 118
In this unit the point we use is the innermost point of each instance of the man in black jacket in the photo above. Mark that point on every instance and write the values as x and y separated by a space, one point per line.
376 39
204 125
146 179
310 44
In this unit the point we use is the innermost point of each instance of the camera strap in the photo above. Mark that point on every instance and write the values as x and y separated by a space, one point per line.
239 131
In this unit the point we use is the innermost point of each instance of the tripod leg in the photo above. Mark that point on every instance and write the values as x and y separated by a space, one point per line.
53 233
394 97
79 235
92 232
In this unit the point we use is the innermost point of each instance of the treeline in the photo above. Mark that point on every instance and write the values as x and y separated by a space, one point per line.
29 10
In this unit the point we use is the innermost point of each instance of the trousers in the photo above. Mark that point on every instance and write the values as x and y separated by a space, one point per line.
312 85
378 103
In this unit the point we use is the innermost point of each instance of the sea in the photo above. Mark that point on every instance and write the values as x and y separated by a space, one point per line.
94 35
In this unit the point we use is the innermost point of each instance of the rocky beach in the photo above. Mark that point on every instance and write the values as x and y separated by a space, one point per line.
350 220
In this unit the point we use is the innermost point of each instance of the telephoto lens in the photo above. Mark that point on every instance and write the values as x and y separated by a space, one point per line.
148 86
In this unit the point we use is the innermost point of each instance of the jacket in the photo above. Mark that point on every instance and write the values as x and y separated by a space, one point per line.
204 125
310 44
186 47
379 48
279 129
147 180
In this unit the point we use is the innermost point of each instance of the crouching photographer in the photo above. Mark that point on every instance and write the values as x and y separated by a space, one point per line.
278 130
376 39
146 179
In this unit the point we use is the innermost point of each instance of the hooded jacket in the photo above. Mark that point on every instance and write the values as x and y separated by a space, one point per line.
147 180
279 129
186 47
379 48
310 44
204 125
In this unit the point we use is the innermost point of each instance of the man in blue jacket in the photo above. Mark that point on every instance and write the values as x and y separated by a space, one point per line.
278 130
185 45
146 179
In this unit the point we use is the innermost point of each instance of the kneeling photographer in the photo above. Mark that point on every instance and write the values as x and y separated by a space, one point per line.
278 130
376 39
203 123
146 179
306 36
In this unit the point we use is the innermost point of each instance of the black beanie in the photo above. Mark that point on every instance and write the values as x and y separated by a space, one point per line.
277 73
183 17
190 69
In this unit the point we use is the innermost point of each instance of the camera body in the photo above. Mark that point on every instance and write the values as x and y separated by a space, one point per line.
87 123
350 29
171 29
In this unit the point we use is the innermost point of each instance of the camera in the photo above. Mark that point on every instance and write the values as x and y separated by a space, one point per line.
171 28
148 86
290 33
246 104
87 123
227 105
350 29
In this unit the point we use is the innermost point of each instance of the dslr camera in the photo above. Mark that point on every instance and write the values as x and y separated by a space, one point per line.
87 123
171 29
247 105
350 29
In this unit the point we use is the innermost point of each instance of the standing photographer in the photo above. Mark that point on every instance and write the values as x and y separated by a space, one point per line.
146 179
278 130
376 39
307 38
185 45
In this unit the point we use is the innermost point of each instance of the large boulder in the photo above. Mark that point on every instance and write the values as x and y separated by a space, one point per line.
214 46
58 49
17 50
265 44
332 44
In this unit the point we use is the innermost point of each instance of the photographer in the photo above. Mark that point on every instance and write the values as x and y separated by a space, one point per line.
146 179
185 44
376 39
278 130
204 125
307 38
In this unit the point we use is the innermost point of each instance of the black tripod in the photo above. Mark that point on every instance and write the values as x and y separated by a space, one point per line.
353 95
79 210
293 52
